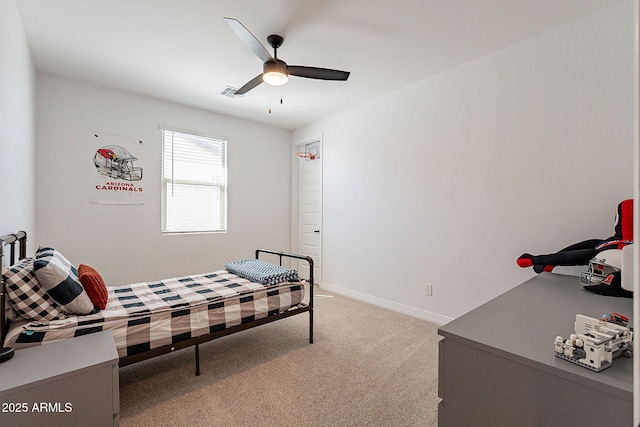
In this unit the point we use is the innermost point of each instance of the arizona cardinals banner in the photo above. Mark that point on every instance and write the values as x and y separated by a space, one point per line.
117 171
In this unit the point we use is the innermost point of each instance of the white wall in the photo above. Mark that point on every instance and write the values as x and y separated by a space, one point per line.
124 243
17 139
449 180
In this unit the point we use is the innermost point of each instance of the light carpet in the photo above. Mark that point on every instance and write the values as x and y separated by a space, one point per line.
368 366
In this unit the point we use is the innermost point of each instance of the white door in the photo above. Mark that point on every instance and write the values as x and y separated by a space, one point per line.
310 211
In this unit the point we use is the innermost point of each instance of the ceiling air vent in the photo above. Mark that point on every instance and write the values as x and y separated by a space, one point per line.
229 92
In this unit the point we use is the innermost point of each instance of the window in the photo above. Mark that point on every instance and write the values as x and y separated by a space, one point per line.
194 183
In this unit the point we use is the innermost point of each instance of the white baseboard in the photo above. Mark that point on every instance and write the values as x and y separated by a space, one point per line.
391 305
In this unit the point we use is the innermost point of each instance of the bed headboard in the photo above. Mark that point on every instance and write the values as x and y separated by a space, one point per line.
11 240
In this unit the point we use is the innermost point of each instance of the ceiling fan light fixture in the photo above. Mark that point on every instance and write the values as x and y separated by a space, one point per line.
275 74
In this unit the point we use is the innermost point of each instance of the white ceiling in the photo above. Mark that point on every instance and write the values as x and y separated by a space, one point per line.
184 52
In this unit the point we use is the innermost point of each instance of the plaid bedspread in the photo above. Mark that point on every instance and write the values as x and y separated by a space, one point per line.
147 315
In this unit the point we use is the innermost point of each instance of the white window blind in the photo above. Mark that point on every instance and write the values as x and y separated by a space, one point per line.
194 184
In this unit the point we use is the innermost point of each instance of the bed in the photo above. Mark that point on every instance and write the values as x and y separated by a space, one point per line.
147 319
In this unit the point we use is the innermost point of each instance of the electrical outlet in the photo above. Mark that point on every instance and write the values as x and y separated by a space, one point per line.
428 289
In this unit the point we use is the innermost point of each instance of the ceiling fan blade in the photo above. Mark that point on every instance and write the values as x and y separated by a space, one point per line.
250 85
249 39
317 73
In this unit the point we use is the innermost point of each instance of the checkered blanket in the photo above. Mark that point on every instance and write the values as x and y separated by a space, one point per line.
261 272
148 315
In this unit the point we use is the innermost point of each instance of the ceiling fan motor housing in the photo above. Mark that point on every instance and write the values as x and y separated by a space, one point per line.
275 72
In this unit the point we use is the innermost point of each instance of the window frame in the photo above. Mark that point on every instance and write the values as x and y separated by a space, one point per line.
167 181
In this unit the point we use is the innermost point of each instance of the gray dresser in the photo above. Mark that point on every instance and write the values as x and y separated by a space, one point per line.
497 365
67 383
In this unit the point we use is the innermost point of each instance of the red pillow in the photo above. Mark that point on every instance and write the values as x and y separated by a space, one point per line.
94 286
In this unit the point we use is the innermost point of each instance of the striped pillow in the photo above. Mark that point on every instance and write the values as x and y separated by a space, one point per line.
60 279
26 296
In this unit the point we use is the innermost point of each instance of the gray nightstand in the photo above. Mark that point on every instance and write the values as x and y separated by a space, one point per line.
67 383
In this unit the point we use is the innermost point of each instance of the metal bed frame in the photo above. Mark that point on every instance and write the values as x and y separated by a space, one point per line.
20 238
11 240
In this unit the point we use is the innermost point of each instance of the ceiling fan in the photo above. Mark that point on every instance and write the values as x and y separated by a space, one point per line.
276 72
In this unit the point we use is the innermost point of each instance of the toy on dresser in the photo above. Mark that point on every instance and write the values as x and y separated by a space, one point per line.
603 256
596 342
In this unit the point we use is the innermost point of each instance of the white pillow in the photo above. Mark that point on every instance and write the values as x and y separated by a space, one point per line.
60 279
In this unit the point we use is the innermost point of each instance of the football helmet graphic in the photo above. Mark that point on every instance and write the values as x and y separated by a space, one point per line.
603 265
116 162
